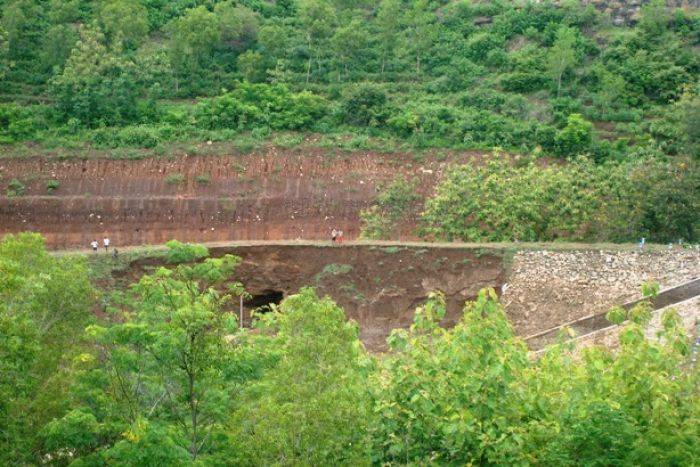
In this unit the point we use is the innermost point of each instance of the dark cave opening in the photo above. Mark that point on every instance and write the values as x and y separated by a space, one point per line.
261 302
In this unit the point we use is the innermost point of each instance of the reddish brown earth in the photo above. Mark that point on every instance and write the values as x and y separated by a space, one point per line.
271 195
377 286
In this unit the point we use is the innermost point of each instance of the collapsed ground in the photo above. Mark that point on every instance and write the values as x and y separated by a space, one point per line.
379 285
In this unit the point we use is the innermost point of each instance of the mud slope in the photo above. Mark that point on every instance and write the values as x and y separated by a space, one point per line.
377 286
271 195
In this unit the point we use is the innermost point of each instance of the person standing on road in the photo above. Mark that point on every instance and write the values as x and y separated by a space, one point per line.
334 235
105 242
340 236
94 245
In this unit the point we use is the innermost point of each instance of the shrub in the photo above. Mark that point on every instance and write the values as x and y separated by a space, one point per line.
612 201
523 82
179 252
52 185
256 105
16 188
393 202
139 136
16 124
575 138
175 179
364 105
203 180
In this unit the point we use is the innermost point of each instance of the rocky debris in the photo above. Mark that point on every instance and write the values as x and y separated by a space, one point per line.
629 12
688 311
549 288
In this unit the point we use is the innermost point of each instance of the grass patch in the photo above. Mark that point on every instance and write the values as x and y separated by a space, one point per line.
333 270
175 179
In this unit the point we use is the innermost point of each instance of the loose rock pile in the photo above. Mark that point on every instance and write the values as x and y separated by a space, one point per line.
548 288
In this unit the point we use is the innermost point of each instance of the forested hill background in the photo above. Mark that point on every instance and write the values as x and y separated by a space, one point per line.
532 77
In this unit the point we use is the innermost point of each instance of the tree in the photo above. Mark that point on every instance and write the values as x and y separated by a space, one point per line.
238 24
57 45
317 19
161 378
655 19
349 43
96 85
453 396
575 138
421 30
4 49
124 20
562 55
44 305
252 66
388 23
312 407
23 21
635 406
192 36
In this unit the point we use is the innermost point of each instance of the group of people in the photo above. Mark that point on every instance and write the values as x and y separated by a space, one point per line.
337 236
105 242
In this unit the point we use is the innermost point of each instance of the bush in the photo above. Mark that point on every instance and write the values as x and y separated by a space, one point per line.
179 252
580 201
364 105
575 138
392 204
203 180
175 179
523 82
138 136
259 105
52 185
16 124
16 188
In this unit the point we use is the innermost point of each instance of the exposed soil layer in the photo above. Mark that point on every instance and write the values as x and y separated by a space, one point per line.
274 195
379 287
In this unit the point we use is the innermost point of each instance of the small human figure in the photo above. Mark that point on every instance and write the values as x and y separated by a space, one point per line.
105 242
334 235
641 244
94 245
340 236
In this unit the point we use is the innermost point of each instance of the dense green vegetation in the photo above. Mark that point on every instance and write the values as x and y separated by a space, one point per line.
167 377
552 79
527 76
522 200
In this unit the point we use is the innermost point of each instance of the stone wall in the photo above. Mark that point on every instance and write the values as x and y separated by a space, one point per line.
545 289
688 311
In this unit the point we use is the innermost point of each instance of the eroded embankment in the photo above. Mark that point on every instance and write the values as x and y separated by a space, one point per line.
271 195
379 286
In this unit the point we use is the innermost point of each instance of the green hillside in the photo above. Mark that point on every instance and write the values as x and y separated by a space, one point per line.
527 77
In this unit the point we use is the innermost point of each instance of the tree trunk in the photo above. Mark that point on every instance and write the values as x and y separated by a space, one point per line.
559 84
192 399
308 71
383 63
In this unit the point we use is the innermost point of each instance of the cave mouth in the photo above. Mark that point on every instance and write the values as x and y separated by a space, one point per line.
261 302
